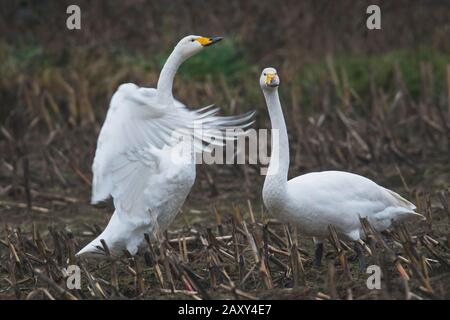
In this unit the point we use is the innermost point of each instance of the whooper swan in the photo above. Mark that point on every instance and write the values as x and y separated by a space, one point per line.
316 200
138 162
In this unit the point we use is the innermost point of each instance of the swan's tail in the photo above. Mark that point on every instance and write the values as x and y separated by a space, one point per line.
92 250
407 207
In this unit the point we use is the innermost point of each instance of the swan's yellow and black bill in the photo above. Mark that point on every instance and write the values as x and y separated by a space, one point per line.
270 79
208 41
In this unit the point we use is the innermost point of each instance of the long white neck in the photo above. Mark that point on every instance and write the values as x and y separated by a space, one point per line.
165 82
279 161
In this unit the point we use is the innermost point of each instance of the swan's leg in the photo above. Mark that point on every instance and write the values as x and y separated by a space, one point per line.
148 258
356 237
318 253
360 254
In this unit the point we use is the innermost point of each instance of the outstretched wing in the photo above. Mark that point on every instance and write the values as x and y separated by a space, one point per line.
136 123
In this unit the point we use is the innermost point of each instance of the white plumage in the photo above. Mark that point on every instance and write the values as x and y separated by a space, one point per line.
145 157
316 200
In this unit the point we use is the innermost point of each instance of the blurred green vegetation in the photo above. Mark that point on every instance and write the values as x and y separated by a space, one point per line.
231 64
129 41
360 68
224 60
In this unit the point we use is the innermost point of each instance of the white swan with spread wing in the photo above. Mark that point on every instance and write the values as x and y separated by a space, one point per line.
145 157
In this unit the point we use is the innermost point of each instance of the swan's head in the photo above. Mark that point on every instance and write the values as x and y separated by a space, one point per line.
190 45
269 79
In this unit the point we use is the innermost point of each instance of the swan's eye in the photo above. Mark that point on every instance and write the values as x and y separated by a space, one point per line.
265 74
192 40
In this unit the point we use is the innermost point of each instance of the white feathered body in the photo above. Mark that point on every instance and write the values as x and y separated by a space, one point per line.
134 125
316 200
166 187
145 160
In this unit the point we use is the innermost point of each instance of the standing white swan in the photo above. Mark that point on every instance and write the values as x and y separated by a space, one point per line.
316 200
138 162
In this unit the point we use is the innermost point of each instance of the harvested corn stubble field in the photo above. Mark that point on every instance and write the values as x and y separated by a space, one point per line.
239 257
377 105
